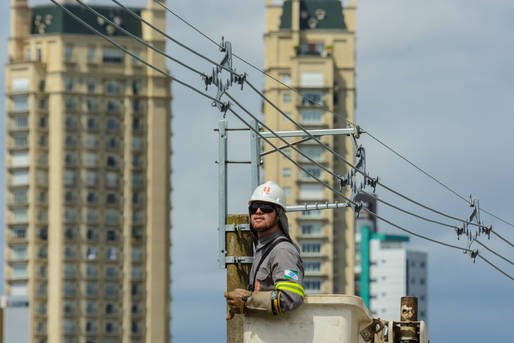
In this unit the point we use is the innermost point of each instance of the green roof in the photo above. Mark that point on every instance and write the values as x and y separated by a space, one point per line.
315 15
52 19
387 237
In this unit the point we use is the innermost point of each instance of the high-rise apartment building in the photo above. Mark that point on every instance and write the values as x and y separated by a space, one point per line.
88 176
310 46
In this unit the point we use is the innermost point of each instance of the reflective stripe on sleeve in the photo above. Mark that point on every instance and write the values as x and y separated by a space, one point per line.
290 286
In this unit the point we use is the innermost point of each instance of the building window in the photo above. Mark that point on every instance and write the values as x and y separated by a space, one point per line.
111 161
136 254
20 85
90 308
43 141
137 179
111 198
311 229
91 253
91 54
20 122
68 84
312 98
111 217
314 49
69 214
111 179
20 215
91 215
91 271
90 141
315 153
90 289
135 290
112 55
315 171
19 270
19 232
312 266
91 123
69 234
111 235
112 124
287 191
137 198
137 217
68 308
69 103
137 124
286 98
137 143
311 247
91 178
112 87
20 159
134 326
92 105
19 252
90 326
68 271
286 79
112 105
137 161
68 53
19 196
91 198
43 122
136 273
69 196
111 253
311 191
68 159
90 159
286 172
111 290
110 328
91 86
136 87
20 140
312 116
111 272
312 286
110 308
70 123
112 143
91 234
43 233
20 104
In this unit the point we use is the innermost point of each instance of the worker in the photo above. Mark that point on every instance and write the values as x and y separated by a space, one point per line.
276 276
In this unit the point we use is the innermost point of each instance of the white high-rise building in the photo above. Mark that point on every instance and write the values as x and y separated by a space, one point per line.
395 271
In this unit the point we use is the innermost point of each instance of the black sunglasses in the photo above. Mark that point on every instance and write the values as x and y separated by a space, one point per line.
265 208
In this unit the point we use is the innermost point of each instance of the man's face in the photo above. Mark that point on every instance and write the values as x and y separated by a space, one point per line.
262 221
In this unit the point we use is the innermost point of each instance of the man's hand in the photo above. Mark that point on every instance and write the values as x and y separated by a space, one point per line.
236 301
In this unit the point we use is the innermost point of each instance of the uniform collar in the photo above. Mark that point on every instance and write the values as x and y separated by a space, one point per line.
268 238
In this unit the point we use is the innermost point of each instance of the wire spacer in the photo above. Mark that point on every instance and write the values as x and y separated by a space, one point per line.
373 183
474 255
459 232
357 206
240 79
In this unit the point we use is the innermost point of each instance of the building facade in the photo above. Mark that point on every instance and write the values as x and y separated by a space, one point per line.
310 46
390 271
88 176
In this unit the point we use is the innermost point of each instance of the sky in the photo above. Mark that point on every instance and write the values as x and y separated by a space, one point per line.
434 81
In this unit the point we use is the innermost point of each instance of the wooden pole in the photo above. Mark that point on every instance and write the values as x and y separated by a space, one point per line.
238 243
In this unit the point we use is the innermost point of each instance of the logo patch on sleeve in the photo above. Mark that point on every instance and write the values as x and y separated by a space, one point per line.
291 274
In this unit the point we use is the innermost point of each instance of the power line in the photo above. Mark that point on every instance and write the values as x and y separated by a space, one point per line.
325 108
494 252
329 186
293 121
494 266
250 126
502 238
350 122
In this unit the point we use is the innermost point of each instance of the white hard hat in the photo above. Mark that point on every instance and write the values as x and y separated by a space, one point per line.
269 192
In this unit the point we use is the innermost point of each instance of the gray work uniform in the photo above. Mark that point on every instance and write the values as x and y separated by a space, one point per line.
280 271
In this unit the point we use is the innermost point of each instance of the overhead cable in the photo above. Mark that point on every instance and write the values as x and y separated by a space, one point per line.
329 186
494 252
495 267
325 108
434 178
284 114
247 124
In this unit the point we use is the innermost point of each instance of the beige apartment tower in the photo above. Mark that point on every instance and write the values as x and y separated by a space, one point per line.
310 46
88 176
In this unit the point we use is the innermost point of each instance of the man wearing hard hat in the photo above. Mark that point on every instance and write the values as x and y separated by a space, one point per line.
276 276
